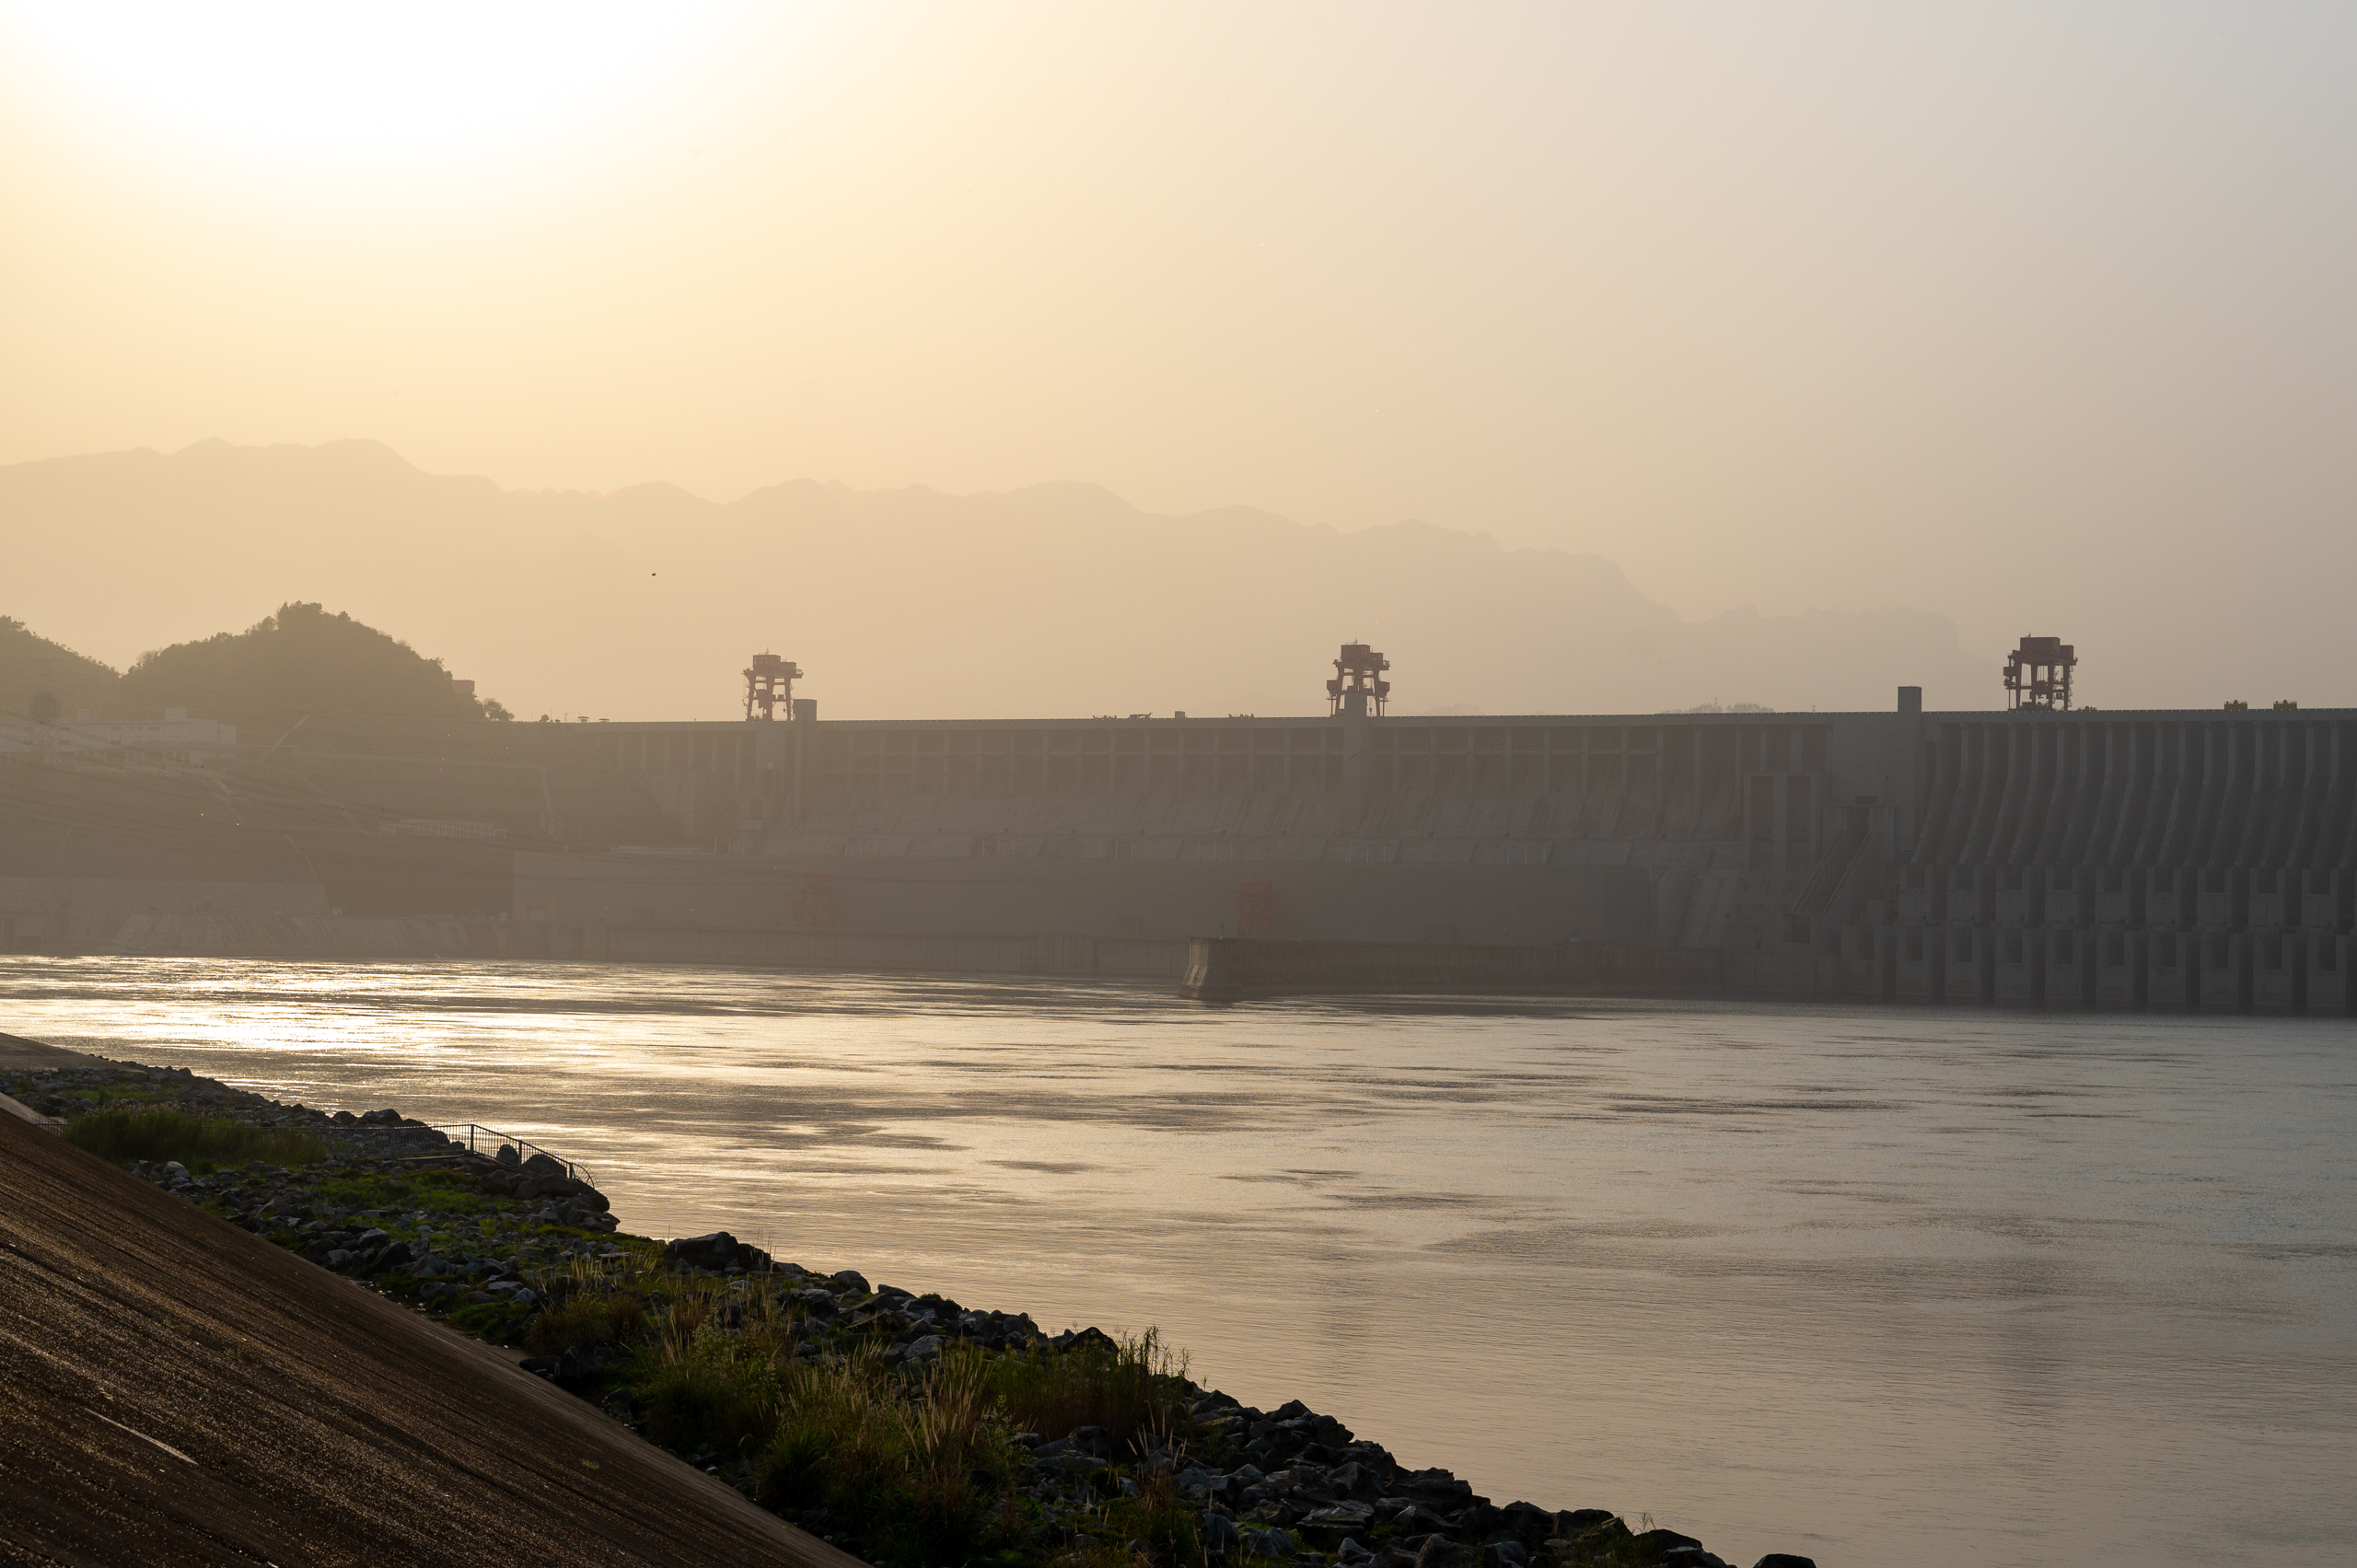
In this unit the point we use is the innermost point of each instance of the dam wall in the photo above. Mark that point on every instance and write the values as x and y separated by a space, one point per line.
1658 828
361 938
2142 859
2181 862
52 914
2168 860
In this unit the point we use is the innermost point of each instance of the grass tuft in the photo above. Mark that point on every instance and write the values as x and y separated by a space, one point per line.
1127 1387
162 1133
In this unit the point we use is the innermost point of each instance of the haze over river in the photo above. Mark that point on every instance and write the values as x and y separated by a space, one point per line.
1927 1287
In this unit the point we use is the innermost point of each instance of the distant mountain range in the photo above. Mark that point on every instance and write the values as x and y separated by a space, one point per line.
1056 599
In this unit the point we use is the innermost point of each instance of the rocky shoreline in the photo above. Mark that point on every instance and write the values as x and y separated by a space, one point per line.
521 1250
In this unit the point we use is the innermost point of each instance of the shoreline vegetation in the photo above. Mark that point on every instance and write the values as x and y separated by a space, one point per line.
905 1428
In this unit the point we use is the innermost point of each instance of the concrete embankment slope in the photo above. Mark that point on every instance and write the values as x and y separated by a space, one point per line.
17 1052
178 1391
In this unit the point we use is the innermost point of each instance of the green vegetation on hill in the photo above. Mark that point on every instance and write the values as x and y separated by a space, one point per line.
45 680
299 662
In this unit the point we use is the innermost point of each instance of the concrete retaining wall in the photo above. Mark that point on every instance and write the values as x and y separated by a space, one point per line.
334 937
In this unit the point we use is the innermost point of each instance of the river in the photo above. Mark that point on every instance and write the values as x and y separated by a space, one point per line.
1938 1287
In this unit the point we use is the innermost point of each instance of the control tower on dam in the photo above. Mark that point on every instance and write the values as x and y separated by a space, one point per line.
2039 855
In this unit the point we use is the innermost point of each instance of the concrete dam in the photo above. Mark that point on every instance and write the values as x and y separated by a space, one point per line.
2167 860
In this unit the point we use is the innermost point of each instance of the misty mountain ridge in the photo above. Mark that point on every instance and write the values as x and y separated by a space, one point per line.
1055 599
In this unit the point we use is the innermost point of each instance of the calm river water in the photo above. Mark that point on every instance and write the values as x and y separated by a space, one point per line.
1922 1287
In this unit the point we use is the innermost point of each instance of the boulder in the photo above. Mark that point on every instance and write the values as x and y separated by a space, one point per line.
1653 1545
1330 1525
1480 1522
579 1366
716 1251
504 1183
508 1156
1785 1560
850 1279
1434 1488
1416 1520
544 1164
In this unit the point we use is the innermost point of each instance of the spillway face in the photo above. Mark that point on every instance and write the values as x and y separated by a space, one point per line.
2178 862
2142 859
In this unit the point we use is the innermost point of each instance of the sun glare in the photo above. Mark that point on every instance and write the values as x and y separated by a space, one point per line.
360 88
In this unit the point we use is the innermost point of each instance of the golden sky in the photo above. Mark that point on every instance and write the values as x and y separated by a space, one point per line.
2003 310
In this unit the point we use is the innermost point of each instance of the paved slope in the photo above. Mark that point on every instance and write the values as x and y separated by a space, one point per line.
17 1052
173 1390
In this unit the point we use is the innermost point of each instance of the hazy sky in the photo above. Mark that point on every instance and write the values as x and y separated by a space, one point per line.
1997 309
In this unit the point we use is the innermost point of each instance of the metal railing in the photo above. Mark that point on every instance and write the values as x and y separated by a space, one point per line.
524 1149
473 1132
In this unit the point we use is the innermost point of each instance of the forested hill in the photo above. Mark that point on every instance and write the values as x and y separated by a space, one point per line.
46 680
300 661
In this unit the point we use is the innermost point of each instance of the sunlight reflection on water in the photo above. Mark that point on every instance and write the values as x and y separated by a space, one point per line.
1924 1286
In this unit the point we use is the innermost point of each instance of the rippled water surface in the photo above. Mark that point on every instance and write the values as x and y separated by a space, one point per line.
1922 1287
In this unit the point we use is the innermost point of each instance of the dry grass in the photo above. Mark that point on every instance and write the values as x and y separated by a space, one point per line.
915 1466
199 1142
